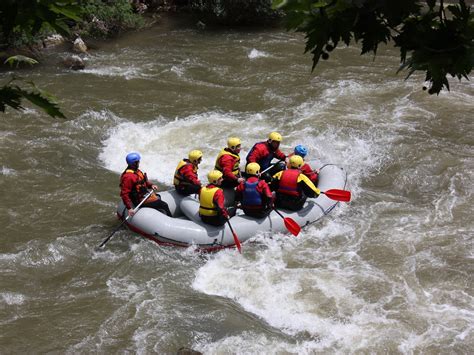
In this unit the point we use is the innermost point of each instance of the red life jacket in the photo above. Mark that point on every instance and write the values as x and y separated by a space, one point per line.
289 183
140 189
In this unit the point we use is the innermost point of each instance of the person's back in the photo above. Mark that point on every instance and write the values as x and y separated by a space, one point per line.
292 187
134 186
254 194
211 201
262 153
186 180
228 163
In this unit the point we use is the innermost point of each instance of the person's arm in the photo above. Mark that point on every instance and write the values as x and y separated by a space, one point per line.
308 187
227 163
126 186
190 175
279 154
266 193
275 183
219 201
309 172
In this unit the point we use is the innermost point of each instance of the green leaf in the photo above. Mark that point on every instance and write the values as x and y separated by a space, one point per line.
17 59
49 106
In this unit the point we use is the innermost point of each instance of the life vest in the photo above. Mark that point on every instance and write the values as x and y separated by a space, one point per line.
250 196
264 162
289 182
179 179
235 168
207 207
140 189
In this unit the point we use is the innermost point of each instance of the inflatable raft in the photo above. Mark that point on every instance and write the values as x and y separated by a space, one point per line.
185 227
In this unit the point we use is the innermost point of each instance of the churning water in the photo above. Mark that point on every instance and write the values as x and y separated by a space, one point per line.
390 272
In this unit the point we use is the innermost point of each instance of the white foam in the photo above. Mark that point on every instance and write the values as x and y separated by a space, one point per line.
255 53
8 171
12 298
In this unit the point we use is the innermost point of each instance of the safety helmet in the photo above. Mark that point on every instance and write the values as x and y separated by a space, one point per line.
275 136
194 155
253 169
301 150
296 161
132 158
213 176
233 142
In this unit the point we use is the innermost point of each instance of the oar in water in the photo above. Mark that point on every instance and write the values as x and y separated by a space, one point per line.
338 195
236 239
290 224
125 220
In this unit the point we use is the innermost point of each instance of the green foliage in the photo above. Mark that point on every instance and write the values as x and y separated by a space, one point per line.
437 40
104 18
25 18
236 12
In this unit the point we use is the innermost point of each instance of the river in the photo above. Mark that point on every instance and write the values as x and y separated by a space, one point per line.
390 272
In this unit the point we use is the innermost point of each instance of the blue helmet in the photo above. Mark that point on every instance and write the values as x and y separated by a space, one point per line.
301 150
132 158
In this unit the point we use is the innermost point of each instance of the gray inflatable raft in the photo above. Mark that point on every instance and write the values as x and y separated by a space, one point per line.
185 228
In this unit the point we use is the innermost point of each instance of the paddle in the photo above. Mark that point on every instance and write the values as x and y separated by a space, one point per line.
338 195
236 239
270 166
290 224
125 220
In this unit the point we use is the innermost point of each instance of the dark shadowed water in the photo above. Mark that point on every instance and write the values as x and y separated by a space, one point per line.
391 272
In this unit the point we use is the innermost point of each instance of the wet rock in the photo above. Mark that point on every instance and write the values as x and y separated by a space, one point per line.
53 40
201 25
79 46
74 62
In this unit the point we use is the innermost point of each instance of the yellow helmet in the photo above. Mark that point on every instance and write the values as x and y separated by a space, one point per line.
194 156
275 136
296 161
214 176
233 142
252 169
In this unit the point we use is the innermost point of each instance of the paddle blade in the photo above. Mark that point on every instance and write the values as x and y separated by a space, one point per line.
237 242
338 195
292 226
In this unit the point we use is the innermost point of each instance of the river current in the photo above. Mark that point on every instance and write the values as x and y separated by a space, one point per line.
390 272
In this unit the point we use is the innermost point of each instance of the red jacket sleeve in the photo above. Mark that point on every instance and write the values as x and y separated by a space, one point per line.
227 163
259 151
279 154
127 183
189 174
219 201
264 189
310 173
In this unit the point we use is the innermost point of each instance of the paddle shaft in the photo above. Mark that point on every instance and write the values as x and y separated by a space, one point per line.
125 220
271 166
290 224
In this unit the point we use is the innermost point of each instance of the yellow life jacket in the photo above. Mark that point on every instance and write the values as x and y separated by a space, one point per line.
235 168
179 179
207 207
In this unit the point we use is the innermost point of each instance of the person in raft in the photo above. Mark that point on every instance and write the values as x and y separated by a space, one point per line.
228 163
263 153
134 186
186 179
292 186
306 169
211 201
254 194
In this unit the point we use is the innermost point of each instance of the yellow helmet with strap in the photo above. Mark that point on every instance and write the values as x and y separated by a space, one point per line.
194 156
275 136
233 142
214 176
296 161
252 169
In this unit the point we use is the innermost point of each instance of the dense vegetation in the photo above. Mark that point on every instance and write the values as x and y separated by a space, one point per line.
432 38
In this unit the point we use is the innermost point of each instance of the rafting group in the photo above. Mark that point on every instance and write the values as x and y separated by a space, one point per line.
260 188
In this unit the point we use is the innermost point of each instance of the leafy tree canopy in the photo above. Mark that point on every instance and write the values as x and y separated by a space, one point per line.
432 37
31 16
